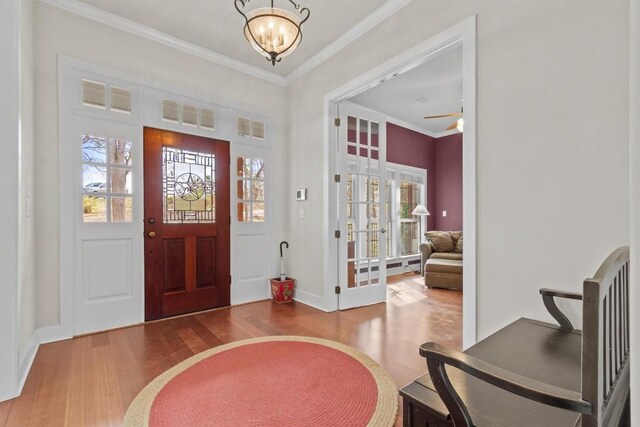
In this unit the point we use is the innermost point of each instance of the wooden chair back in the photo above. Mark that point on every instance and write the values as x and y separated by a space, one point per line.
605 340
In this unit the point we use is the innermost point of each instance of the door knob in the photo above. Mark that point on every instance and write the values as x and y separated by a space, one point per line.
383 230
152 234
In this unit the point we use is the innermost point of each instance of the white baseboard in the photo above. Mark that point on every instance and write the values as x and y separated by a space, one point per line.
26 360
310 299
402 270
53 333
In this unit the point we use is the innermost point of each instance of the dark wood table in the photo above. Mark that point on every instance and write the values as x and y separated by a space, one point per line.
534 349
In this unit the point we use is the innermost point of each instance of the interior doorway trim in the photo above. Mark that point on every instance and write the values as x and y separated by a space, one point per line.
462 34
634 161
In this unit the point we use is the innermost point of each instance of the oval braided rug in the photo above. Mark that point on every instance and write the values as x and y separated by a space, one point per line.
270 381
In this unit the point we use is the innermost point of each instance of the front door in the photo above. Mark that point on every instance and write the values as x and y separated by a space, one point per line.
186 223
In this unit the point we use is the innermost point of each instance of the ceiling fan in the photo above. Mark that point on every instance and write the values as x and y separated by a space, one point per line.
458 124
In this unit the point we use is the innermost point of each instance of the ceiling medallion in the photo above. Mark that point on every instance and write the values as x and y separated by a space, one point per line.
272 31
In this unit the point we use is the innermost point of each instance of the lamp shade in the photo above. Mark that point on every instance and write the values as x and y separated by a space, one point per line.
420 210
273 31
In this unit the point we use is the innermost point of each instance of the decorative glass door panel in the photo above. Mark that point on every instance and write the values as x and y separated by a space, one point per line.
188 187
362 207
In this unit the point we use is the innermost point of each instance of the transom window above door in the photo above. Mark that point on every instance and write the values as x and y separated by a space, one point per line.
106 97
251 128
188 115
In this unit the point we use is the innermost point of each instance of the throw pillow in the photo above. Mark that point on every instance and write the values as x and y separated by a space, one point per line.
441 240
455 235
458 247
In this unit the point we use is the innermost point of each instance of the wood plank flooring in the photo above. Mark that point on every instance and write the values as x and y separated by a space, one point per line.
91 380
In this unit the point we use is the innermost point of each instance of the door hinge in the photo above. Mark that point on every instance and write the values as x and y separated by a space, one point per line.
337 234
337 121
336 178
337 289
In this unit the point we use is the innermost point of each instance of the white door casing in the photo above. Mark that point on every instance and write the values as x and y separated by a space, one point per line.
102 264
362 212
461 34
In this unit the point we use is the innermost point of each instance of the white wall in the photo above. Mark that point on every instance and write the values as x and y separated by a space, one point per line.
17 305
9 176
59 32
27 241
552 142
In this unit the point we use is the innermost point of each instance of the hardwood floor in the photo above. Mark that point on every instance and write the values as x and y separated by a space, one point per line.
90 380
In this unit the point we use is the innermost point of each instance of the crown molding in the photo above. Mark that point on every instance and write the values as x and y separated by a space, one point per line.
96 14
446 133
375 18
411 126
124 24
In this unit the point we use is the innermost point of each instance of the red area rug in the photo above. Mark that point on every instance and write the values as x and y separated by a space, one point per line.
270 381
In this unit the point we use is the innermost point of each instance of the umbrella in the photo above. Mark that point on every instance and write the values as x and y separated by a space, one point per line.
283 275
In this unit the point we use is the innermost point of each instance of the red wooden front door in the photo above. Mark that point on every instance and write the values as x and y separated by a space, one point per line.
186 224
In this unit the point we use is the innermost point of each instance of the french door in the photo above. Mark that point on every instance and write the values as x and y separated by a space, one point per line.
186 224
363 207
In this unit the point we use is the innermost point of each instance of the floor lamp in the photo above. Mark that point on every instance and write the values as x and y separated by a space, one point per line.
420 211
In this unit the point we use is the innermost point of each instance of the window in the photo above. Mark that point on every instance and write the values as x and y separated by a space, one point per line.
106 176
250 187
188 115
409 199
251 128
404 191
94 94
387 206
188 188
120 100
363 202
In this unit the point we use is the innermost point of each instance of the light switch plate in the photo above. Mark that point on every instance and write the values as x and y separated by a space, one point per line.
301 213
444 213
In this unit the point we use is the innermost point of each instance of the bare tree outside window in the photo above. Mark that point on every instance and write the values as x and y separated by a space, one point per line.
106 160
120 155
251 198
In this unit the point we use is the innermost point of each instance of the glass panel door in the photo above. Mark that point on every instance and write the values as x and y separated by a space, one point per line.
362 207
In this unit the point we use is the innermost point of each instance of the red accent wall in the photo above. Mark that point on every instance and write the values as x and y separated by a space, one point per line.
448 175
442 158
407 147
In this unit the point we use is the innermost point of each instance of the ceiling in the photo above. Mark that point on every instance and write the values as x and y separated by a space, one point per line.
217 26
430 89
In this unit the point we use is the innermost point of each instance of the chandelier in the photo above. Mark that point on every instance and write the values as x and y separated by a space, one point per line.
273 32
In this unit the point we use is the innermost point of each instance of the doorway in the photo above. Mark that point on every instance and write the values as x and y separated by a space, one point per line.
462 35
186 223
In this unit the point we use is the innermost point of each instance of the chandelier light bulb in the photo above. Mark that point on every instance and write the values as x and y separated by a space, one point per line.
273 32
